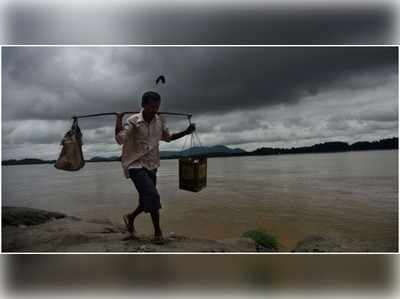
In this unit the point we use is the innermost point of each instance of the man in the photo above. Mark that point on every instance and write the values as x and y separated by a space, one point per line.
141 157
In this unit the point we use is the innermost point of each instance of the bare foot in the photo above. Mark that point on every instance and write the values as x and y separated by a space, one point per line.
128 223
158 238
132 236
127 238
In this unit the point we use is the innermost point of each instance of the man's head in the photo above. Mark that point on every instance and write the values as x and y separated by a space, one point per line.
150 96
151 103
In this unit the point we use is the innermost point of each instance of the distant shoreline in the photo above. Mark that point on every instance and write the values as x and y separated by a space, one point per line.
223 151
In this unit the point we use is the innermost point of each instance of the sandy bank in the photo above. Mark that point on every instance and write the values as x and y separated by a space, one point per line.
31 230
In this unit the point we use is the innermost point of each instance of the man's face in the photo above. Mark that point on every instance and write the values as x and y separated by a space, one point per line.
151 107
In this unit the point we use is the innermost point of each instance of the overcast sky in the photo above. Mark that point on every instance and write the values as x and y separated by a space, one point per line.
239 96
199 22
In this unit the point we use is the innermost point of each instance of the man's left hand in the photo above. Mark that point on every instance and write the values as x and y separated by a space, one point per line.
191 129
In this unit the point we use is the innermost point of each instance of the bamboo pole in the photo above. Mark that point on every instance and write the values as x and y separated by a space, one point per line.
130 112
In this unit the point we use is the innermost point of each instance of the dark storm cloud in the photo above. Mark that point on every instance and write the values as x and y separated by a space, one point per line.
55 83
45 22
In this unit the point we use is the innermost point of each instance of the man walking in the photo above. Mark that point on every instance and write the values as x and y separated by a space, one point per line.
141 157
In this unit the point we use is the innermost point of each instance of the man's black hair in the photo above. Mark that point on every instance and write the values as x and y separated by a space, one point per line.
150 95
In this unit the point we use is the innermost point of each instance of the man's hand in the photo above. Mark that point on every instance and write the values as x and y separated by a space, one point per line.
120 115
118 123
190 129
181 134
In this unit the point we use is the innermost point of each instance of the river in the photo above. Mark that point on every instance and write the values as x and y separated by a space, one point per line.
351 196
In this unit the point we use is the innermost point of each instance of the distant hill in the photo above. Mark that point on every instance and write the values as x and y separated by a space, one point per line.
204 151
224 151
103 159
26 161
389 143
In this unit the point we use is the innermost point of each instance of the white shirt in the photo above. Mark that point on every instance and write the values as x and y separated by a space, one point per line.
140 142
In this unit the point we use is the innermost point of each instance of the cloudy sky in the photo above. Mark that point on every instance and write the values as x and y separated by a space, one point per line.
245 97
199 22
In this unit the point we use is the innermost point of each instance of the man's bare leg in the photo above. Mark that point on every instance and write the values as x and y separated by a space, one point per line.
131 220
155 217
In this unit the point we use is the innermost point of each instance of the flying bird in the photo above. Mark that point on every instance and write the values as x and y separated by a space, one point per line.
160 78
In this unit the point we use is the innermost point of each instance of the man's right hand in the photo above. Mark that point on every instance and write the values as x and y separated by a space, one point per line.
190 129
118 123
120 114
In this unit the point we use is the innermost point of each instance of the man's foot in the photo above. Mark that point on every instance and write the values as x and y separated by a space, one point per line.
128 238
158 239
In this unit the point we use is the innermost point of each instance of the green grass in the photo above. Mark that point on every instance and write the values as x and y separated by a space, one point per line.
261 237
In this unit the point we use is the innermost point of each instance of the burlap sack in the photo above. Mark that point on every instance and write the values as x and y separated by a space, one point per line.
71 156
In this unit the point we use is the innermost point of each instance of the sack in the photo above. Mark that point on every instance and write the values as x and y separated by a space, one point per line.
192 173
71 156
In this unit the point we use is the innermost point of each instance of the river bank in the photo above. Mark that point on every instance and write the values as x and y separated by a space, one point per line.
32 230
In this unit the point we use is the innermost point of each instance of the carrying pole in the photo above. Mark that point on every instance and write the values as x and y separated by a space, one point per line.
131 112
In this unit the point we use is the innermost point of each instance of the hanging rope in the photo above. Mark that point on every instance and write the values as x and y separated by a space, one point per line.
193 140
184 144
192 168
198 139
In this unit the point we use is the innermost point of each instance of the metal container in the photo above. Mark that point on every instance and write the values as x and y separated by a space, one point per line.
192 173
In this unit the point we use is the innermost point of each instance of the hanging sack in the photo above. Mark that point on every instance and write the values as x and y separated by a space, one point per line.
71 156
192 170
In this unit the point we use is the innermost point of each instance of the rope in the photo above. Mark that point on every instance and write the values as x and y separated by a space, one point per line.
184 144
198 139
193 139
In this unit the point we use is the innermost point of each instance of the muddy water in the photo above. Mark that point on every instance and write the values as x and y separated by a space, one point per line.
351 197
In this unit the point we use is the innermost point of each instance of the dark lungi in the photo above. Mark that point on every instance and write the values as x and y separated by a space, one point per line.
145 182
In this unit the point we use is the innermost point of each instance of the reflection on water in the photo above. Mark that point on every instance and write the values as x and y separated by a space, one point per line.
351 197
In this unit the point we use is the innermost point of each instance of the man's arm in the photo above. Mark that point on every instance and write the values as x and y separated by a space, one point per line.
118 127
175 136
